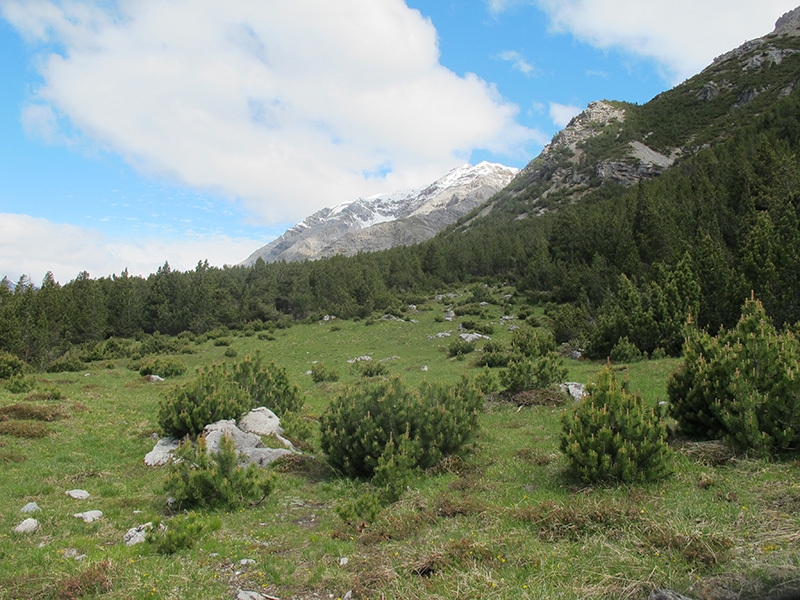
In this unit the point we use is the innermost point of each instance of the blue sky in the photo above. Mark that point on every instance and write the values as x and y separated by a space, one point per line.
134 132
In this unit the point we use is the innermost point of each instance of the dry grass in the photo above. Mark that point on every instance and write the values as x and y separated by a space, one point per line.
24 429
31 412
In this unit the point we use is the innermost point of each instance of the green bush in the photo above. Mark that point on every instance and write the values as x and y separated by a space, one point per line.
532 343
19 384
524 373
181 532
226 391
370 368
624 351
458 348
164 366
612 437
364 423
66 364
321 373
231 352
741 385
494 355
10 365
202 479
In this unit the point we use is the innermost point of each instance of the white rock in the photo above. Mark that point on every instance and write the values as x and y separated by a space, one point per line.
162 452
137 535
27 526
343 561
77 494
574 389
89 516
261 421
154 378
474 337
241 439
247 561
30 507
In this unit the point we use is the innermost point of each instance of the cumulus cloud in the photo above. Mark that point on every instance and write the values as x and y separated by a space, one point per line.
289 105
683 36
561 114
32 246
518 61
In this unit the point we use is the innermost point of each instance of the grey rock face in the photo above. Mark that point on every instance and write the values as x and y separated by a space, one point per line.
261 421
30 507
388 220
162 453
137 535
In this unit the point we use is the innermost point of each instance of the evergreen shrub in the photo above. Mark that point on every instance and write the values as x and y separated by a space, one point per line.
19 384
741 386
366 425
10 365
458 348
321 373
611 436
202 479
226 391
524 373
66 364
526 341
164 366
624 351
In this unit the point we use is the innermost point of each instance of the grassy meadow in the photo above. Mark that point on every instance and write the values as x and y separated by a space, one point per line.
502 521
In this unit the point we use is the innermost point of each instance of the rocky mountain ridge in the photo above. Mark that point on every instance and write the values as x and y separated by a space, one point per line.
387 220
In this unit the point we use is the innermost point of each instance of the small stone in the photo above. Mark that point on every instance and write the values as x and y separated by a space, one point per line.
137 535
30 507
77 494
343 561
70 553
27 526
89 516
247 561
154 378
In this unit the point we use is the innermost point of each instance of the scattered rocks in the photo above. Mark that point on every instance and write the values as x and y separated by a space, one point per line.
162 453
77 494
474 337
90 516
30 507
449 315
137 535
27 526
365 358
440 335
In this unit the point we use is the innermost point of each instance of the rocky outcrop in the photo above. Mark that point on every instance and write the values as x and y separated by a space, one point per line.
388 220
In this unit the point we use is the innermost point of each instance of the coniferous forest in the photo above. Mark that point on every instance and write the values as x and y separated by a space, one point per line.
624 261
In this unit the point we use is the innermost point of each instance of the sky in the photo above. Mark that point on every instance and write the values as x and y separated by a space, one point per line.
139 132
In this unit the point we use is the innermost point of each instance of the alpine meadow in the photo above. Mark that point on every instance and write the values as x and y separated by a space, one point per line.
587 386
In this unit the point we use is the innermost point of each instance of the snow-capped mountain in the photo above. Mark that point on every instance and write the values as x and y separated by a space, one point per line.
387 220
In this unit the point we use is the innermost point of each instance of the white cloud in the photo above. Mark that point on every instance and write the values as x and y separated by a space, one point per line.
518 61
561 114
683 36
290 105
33 246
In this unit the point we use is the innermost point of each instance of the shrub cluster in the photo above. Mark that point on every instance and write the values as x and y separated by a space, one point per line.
321 373
524 373
164 366
741 386
371 425
10 365
226 391
205 479
612 437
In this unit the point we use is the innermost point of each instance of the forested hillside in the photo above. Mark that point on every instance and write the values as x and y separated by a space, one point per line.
610 260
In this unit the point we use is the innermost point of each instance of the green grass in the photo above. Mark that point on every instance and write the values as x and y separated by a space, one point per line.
501 522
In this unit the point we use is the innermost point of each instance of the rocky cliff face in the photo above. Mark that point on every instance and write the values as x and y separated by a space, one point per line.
388 220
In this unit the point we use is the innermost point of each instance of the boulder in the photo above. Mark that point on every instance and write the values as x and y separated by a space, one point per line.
90 516
574 389
30 507
241 439
474 337
137 535
162 452
264 456
261 421
27 526
77 494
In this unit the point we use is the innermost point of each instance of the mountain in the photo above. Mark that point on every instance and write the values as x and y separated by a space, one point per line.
614 142
388 220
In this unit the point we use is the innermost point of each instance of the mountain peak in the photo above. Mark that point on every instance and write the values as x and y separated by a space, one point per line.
386 220
789 23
